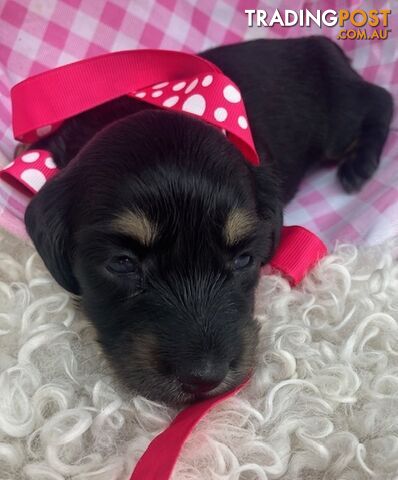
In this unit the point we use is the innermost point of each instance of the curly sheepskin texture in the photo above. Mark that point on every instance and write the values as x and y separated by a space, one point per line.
323 403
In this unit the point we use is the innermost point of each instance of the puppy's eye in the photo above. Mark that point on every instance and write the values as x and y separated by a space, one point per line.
242 261
122 264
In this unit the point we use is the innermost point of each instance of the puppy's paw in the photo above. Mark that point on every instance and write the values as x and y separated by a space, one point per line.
353 173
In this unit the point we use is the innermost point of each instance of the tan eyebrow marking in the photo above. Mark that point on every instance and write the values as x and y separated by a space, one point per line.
137 225
239 223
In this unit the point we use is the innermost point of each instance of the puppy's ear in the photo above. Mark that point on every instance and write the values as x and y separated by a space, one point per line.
269 203
47 220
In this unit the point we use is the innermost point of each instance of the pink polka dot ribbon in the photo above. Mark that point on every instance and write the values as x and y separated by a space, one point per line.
168 80
212 97
30 171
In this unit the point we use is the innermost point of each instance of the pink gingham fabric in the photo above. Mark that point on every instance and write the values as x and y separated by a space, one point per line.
37 35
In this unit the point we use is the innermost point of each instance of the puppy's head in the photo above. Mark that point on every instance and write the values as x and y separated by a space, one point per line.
161 226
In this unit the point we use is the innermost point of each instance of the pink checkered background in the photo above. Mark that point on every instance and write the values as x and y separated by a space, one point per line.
36 35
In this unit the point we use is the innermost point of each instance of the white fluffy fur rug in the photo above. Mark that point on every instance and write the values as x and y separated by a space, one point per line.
322 405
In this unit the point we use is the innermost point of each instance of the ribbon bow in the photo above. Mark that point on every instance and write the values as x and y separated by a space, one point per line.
166 79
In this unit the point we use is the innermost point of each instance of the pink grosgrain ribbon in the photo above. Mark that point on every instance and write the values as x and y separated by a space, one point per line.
168 80
157 463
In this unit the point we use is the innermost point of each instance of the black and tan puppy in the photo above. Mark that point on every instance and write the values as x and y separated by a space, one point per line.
161 225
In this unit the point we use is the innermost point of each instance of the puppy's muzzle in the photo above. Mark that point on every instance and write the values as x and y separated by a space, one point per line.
203 377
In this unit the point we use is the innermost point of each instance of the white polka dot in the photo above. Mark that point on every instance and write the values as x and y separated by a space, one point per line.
220 114
170 102
242 122
30 157
160 85
179 86
207 80
157 93
50 163
231 94
34 178
195 104
140 94
191 86
43 130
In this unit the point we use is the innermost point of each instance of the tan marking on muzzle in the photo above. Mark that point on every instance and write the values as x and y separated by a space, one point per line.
239 223
144 350
137 225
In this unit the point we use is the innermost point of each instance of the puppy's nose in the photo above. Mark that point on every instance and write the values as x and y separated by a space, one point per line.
203 378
